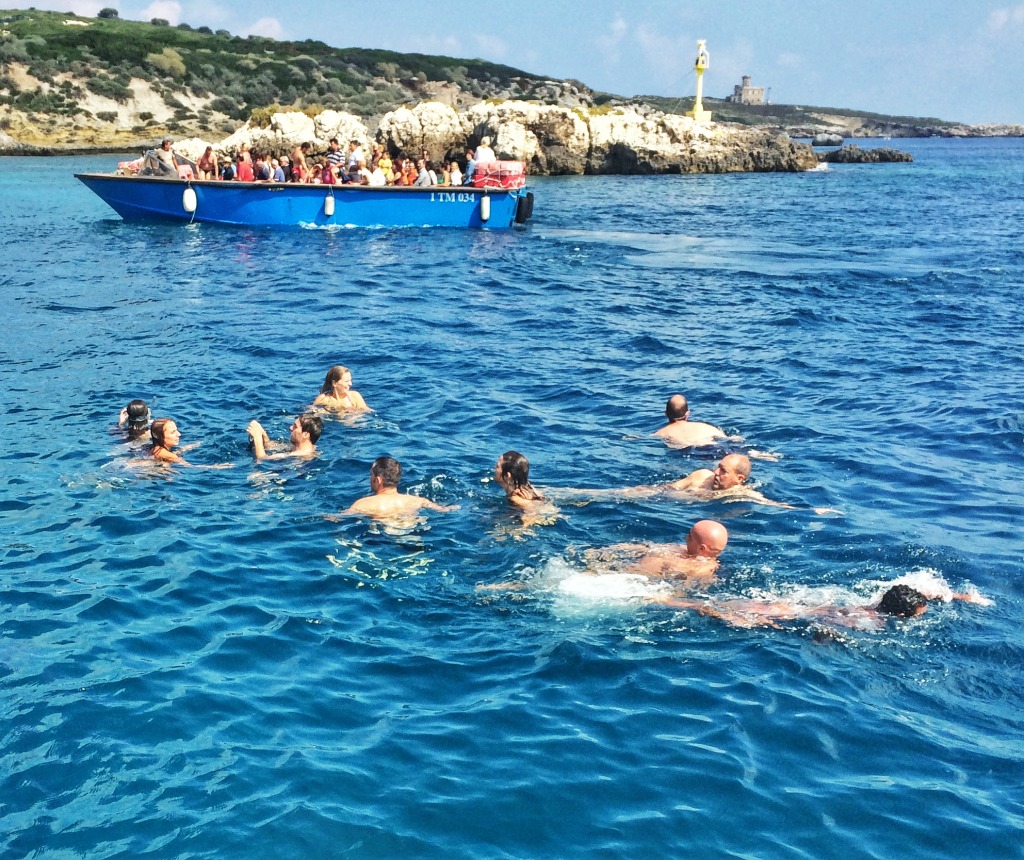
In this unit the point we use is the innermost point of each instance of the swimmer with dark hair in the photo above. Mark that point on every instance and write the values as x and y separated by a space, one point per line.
135 420
899 601
512 473
684 433
337 394
165 436
303 435
385 502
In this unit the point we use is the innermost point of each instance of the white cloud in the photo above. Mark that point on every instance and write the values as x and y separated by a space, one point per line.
269 27
610 42
169 10
999 20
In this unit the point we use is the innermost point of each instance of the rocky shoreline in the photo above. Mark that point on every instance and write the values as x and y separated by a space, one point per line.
552 140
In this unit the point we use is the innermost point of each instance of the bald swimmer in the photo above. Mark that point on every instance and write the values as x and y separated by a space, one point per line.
697 559
684 433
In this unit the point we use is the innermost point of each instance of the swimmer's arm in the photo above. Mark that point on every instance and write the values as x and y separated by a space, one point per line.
191 446
357 401
259 438
434 506
974 597
122 419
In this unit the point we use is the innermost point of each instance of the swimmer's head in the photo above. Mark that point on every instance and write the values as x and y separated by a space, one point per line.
309 424
512 470
138 418
903 602
385 472
731 471
706 539
164 433
335 375
677 409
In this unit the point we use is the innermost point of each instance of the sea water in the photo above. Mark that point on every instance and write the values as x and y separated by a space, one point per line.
198 663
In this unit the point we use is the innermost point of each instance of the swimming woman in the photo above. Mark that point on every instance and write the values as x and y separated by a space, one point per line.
512 472
337 393
165 436
135 420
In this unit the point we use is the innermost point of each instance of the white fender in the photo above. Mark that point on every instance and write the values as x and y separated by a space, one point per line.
188 200
485 207
329 205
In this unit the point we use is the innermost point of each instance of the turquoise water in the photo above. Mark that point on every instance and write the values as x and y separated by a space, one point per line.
198 664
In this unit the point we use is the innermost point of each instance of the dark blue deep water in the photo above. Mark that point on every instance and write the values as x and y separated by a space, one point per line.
198 664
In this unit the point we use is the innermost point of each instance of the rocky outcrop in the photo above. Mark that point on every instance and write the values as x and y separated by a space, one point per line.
826 138
550 139
856 155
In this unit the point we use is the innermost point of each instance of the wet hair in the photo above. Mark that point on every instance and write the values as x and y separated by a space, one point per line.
333 375
676 408
902 601
311 424
138 418
517 467
157 430
388 469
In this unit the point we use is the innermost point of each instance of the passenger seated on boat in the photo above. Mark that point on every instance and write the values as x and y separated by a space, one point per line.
261 169
387 167
243 169
337 394
377 175
328 176
227 171
423 177
163 162
315 174
278 171
467 177
455 175
484 153
286 168
207 165
362 174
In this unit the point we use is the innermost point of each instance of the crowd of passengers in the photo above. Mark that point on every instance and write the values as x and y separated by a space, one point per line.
336 167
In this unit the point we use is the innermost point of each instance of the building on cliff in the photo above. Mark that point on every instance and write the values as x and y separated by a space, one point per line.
744 94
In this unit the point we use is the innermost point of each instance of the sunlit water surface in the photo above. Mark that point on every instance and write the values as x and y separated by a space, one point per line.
196 663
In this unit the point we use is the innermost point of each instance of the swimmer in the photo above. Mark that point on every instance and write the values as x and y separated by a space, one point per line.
726 482
683 433
304 432
165 436
337 393
386 503
899 601
697 559
512 473
135 419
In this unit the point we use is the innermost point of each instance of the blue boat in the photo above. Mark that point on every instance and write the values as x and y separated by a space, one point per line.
275 204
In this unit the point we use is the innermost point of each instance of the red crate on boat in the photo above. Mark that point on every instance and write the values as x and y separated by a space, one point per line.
499 174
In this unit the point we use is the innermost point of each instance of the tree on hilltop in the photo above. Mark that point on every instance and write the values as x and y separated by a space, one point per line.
108 13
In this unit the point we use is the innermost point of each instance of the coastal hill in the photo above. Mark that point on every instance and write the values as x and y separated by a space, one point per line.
69 82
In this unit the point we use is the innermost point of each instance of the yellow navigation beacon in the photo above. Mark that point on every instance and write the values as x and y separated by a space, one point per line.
698 113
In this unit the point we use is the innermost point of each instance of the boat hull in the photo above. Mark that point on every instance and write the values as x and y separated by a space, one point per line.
273 204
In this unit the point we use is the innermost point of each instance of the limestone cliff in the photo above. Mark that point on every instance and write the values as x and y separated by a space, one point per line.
551 140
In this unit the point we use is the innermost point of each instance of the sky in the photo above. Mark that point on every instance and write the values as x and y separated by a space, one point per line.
959 60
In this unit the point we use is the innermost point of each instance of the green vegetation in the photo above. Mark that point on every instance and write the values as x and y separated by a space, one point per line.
242 74
786 116
247 77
